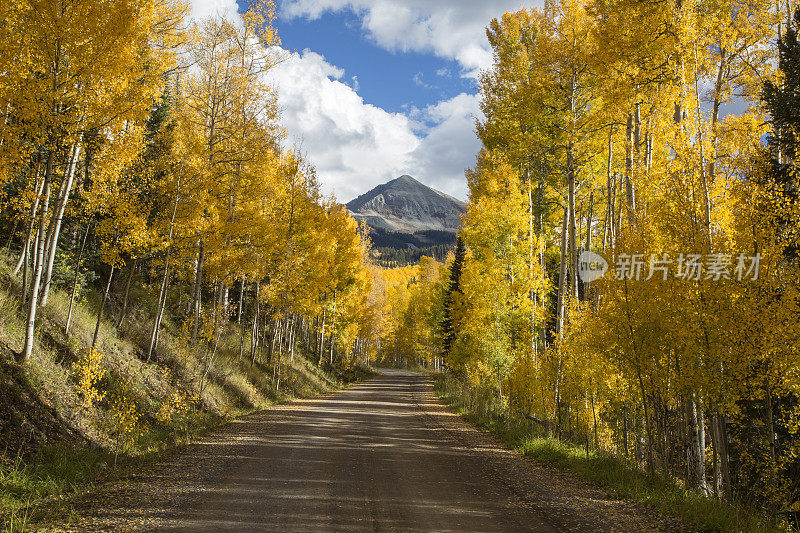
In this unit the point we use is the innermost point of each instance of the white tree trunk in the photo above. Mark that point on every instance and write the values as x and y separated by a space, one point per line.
162 295
102 308
31 226
573 237
562 275
198 293
75 280
629 193
126 294
608 228
27 350
58 214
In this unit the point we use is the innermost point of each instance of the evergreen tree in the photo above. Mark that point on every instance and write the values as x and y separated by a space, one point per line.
453 286
782 101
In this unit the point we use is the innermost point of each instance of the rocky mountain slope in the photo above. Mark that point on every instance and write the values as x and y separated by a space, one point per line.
406 206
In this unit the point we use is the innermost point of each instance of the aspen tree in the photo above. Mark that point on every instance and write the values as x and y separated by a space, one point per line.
72 77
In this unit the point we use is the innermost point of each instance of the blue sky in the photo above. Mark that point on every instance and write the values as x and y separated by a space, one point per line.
373 89
395 81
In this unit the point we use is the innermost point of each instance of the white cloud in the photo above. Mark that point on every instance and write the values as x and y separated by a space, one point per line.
353 145
452 29
202 9
418 80
450 146
356 146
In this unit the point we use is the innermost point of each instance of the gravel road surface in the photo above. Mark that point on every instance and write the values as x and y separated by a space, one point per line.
383 455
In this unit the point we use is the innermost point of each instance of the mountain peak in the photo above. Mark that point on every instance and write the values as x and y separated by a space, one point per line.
405 205
405 182
405 178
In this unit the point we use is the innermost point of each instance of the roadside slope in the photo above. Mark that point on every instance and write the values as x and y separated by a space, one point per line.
381 455
73 413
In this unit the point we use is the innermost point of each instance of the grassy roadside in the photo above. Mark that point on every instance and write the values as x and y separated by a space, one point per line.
74 417
49 475
36 490
625 480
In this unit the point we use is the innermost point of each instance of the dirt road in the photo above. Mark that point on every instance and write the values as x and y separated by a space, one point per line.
384 455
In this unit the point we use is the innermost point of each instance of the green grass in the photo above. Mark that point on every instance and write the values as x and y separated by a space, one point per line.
615 473
35 474
51 472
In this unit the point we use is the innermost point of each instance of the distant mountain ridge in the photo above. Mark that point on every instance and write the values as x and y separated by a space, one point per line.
404 205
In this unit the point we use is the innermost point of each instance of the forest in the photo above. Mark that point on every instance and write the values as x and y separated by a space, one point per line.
662 137
390 257
164 254
152 152
162 245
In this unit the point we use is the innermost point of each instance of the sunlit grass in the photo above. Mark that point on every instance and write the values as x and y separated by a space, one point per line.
234 386
615 473
50 472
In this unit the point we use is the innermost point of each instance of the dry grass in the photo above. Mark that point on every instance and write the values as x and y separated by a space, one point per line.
233 387
626 480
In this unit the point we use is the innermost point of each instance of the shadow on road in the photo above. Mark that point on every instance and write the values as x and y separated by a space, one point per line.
381 456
